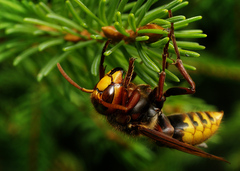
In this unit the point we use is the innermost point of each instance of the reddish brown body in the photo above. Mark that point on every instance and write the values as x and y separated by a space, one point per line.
192 128
137 109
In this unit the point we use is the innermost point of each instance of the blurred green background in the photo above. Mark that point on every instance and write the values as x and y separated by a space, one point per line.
49 125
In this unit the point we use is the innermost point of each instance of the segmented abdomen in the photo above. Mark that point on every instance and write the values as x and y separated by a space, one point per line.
195 127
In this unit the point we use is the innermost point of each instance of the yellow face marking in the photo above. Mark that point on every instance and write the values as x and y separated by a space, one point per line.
117 77
104 83
95 95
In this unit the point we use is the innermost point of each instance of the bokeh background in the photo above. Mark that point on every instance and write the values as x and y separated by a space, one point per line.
50 126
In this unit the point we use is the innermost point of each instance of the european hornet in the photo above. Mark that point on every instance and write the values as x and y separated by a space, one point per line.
137 109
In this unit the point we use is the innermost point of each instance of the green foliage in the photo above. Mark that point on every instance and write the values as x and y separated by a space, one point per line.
45 124
45 29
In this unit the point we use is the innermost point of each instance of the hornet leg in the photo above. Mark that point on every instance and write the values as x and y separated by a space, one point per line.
160 95
101 67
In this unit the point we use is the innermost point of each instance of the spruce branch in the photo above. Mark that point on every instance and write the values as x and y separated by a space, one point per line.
140 31
37 34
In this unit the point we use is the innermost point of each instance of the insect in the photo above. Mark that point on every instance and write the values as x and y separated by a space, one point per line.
137 109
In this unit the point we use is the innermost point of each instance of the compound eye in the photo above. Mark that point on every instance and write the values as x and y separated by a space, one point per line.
108 94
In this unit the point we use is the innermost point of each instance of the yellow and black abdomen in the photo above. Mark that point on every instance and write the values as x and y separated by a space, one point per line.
195 127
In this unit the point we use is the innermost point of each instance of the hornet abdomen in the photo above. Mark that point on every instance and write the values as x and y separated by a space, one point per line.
195 127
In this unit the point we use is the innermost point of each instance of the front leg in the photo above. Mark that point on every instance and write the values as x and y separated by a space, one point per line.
101 67
160 96
126 82
180 90
131 102
129 97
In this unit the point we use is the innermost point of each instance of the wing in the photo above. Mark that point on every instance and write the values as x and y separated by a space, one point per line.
173 143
